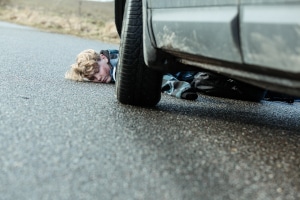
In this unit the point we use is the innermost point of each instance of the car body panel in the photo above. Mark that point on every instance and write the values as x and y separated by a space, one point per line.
255 41
209 31
270 36
189 3
266 2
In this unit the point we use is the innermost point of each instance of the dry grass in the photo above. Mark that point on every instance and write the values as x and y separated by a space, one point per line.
86 19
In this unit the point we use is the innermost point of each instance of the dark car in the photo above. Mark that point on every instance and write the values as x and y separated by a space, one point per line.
254 41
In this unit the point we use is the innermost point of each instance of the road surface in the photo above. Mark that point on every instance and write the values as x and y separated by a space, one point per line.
66 140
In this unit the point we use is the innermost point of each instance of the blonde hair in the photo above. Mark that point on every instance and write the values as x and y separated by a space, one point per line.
84 66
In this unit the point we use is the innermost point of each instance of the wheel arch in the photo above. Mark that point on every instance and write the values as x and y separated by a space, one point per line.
150 52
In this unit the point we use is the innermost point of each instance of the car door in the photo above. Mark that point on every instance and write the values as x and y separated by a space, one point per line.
270 34
207 28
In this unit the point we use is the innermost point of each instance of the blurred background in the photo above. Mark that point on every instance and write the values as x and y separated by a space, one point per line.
92 19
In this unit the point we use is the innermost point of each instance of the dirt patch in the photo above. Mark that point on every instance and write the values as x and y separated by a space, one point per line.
77 21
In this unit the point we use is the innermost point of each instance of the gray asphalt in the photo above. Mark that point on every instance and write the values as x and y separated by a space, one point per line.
67 140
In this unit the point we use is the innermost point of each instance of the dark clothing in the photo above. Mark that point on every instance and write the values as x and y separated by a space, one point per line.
186 85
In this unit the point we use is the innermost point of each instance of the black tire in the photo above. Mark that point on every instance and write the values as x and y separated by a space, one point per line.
119 12
136 83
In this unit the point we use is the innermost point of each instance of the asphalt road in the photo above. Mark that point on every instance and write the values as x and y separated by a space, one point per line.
67 140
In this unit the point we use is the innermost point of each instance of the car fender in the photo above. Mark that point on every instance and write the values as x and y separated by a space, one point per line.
150 52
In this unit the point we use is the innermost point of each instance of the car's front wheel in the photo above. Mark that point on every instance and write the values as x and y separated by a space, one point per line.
136 83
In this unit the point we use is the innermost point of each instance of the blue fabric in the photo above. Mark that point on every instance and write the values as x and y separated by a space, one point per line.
177 88
187 76
113 59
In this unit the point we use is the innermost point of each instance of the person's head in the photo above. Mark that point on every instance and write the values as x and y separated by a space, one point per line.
90 66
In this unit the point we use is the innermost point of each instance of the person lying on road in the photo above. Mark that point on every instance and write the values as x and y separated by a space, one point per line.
101 68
